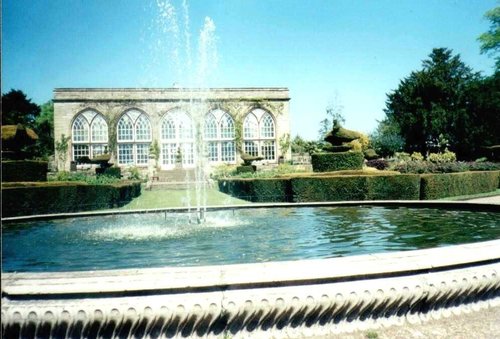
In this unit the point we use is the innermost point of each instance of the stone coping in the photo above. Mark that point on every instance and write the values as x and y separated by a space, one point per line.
255 275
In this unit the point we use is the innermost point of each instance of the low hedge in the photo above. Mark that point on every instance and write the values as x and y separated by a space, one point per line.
327 162
393 187
338 188
324 188
436 186
379 186
258 190
24 170
61 197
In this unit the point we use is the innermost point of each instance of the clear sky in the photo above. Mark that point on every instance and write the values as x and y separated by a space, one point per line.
353 52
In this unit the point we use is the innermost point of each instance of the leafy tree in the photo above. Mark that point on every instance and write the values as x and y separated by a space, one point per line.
18 109
490 41
433 101
44 126
325 127
386 139
483 118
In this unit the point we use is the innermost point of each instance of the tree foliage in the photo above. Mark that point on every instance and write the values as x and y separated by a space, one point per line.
490 41
17 108
386 139
445 99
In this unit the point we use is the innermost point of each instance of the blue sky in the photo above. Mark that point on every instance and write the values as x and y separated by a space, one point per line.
352 52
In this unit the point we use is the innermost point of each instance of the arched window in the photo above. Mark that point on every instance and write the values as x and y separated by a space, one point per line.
177 139
134 138
219 137
259 138
89 135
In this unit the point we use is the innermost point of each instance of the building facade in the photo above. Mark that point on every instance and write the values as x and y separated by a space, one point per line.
171 125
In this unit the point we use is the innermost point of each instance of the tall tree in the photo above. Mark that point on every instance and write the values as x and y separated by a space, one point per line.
490 41
44 126
18 109
433 102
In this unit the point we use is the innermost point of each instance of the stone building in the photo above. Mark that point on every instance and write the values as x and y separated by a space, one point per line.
181 124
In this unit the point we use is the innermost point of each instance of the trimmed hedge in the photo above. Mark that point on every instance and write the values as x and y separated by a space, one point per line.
436 186
393 187
361 187
24 170
62 197
333 188
328 162
258 190
324 188
377 187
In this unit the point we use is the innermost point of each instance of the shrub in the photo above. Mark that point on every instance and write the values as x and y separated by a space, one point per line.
380 164
258 190
222 171
116 172
402 156
331 188
447 156
417 156
393 187
327 162
24 170
418 167
483 166
436 186
85 177
62 197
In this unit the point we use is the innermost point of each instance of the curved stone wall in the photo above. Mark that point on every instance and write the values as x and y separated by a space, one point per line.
276 299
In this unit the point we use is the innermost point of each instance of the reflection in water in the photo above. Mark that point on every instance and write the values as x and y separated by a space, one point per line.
240 236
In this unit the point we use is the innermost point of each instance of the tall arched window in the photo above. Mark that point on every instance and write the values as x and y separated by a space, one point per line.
259 138
177 139
89 135
219 137
134 138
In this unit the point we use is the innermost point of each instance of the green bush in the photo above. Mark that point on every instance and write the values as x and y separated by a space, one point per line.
86 177
327 162
116 172
62 197
24 170
393 187
447 156
436 186
258 190
331 188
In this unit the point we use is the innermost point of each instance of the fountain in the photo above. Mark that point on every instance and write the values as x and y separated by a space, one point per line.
265 270
279 270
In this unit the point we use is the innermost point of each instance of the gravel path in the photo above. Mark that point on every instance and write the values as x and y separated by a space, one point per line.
488 200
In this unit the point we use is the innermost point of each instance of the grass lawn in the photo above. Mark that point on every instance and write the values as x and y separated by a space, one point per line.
179 198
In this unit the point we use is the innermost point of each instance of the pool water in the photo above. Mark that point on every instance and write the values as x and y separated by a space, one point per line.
235 236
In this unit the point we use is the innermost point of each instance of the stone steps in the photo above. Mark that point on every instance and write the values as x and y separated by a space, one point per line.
177 178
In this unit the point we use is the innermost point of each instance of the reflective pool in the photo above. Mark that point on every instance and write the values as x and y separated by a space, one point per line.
235 236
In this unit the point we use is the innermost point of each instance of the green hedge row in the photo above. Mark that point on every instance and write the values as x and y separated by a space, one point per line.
24 170
324 188
258 190
361 187
337 188
328 162
436 186
63 197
